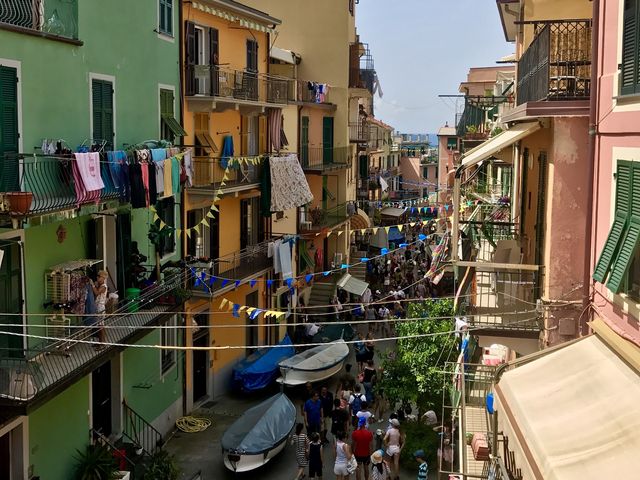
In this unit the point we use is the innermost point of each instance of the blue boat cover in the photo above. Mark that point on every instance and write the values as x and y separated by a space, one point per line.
260 368
262 427
395 235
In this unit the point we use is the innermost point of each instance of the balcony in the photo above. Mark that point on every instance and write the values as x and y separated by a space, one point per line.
50 181
209 175
317 219
240 265
209 84
359 132
362 72
49 366
309 92
54 19
557 64
321 159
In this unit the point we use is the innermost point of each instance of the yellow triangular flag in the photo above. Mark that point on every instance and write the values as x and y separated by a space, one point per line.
424 222
412 224
386 229
242 308
230 306
152 208
250 310
178 231
329 233
340 232
222 184
162 224
188 232
155 217
204 222
210 214
375 231
225 177
400 227
223 302
197 228
363 231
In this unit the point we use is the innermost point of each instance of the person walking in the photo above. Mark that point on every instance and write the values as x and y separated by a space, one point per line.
343 457
379 467
423 468
361 445
326 398
315 457
368 379
394 440
355 403
339 418
300 441
313 413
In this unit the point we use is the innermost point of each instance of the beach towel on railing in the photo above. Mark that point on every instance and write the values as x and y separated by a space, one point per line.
86 177
289 186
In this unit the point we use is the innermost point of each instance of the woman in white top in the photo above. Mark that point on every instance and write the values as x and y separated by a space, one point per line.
394 440
343 457
100 292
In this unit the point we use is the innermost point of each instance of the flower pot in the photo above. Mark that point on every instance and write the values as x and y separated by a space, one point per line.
19 202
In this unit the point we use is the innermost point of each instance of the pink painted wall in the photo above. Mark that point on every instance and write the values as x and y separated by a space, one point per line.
617 127
445 165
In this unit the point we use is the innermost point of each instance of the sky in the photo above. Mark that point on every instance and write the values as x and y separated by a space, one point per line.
424 48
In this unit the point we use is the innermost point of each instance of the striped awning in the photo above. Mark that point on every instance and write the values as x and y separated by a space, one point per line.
230 17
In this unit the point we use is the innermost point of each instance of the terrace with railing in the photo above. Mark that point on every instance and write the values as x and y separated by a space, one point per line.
557 64
236 85
209 174
316 219
65 352
55 19
322 159
359 132
45 184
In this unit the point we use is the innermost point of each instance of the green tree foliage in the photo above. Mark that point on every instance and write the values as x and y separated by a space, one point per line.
413 372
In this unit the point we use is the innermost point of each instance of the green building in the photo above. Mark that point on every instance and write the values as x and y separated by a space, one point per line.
102 75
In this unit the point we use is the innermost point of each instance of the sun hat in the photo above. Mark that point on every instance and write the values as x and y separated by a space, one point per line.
419 454
376 457
395 422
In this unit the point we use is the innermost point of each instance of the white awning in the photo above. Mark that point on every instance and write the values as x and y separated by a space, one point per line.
352 285
574 413
286 56
497 143
393 212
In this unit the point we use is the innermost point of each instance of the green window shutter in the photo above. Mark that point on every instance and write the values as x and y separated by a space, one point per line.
624 257
630 51
96 89
166 102
304 141
102 99
610 247
9 163
327 140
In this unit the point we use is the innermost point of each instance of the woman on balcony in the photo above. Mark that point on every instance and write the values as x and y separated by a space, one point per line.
99 288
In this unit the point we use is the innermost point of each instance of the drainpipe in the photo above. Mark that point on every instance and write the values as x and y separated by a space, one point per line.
593 157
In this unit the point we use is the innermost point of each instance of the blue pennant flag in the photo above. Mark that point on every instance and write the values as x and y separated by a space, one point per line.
237 283
422 236
289 281
255 313
404 245
446 207
364 259
235 313
212 280
224 282
252 283
384 251
308 277
205 288
203 276
344 265
326 274
413 210
269 283
198 282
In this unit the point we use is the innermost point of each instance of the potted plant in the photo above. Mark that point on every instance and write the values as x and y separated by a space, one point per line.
161 467
96 463
19 202
317 215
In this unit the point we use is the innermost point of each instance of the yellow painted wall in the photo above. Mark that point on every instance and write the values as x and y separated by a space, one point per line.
315 184
553 10
229 225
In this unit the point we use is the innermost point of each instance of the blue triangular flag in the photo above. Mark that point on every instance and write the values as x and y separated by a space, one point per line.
198 282
236 307
384 251
404 245
446 207
326 274
224 282
364 259
252 283
308 277
255 313
422 236
212 280
289 281
269 283
344 265
203 275
237 283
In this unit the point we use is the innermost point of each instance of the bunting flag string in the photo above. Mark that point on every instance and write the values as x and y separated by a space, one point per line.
253 312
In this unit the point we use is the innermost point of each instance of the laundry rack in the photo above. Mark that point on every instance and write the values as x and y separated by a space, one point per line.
58 295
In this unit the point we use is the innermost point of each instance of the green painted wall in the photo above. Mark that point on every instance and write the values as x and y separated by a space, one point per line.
56 430
141 367
119 40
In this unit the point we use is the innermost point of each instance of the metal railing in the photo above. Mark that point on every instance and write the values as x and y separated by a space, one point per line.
306 91
51 362
238 265
359 132
324 158
50 180
318 218
209 173
557 64
214 81
53 17
140 432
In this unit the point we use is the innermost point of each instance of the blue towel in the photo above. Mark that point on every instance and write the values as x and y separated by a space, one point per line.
227 151
90 307
159 154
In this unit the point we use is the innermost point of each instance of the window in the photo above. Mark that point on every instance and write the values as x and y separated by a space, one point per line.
252 56
168 338
166 211
169 126
617 265
11 298
9 143
251 228
165 13
102 98
629 74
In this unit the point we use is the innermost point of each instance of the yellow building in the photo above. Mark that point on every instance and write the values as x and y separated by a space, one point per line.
227 96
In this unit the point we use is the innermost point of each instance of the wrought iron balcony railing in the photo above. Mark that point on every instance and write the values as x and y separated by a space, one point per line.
310 92
214 81
315 219
209 173
324 158
52 362
557 64
57 18
359 132
47 184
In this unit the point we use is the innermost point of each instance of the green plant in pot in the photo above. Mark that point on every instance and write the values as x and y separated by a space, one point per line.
96 463
161 467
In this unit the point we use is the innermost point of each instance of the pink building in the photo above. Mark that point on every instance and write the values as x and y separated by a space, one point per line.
447 150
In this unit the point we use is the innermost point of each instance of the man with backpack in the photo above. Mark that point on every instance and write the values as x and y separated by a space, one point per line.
355 404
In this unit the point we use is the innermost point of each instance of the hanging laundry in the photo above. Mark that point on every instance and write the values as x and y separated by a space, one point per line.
114 166
227 151
175 175
168 182
153 190
276 256
89 168
144 171
159 155
138 196
265 188
274 127
289 186
187 161
284 256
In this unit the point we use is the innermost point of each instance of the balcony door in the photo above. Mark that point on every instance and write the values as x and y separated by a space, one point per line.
327 140
101 399
10 297
9 171
251 231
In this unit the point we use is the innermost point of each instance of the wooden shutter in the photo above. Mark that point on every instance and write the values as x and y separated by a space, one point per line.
10 299
630 51
252 56
262 135
541 207
102 99
9 164
214 46
244 135
190 59
304 141
327 140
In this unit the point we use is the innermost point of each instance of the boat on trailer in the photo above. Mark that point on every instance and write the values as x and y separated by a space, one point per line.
314 365
259 434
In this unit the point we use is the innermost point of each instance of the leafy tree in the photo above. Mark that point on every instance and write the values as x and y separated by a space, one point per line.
413 371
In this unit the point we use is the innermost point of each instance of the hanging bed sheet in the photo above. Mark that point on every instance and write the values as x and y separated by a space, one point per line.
289 186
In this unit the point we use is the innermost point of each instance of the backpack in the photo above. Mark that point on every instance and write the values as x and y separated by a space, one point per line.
357 403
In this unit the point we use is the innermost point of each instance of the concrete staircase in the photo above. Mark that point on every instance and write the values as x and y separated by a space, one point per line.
321 294
359 271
